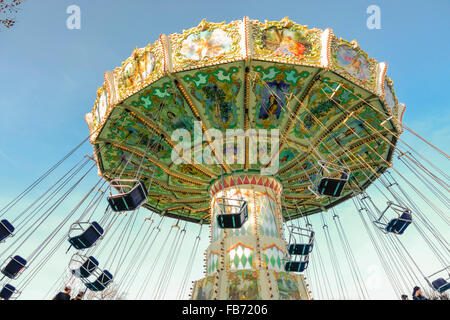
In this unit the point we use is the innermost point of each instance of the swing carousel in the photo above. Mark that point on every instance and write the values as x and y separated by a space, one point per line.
252 129
312 87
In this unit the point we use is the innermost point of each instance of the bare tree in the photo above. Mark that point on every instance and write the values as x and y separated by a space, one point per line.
439 296
110 293
8 11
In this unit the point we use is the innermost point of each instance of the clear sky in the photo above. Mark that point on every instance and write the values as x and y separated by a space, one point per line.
50 74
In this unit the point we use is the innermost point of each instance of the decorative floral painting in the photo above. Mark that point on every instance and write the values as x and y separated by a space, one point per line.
146 64
352 62
389 96
209 43
102 105
286 42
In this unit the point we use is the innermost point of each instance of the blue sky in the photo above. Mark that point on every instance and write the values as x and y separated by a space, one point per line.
49 74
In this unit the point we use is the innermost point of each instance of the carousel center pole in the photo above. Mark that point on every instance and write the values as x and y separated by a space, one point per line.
248 263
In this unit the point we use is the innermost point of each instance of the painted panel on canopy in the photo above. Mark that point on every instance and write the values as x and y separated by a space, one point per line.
101 107
190 170
389 95
318 111
165 105
273 87
301 165
167 108
201 152
372 151
288 154
263 152
207 44
285 41
129 132
217 94
117 160
145 66
234 151
365 122
353 63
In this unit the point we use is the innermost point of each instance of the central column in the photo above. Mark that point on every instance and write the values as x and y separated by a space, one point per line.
248 263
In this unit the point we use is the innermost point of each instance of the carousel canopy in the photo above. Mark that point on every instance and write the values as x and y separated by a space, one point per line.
329 100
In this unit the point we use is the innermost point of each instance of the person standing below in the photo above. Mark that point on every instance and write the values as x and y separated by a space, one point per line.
417 294
63 295
404 297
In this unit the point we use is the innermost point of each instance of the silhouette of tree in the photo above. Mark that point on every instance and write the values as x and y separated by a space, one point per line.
110 293
8 11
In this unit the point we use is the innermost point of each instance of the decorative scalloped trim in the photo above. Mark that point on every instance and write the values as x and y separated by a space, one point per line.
325 53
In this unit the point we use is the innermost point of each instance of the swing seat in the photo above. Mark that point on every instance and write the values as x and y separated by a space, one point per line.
86 268
441 285
332 187
296 266
400 224
300 249
130 200
13 268
7 292
6 229
330 180
233 220
88 238
101 283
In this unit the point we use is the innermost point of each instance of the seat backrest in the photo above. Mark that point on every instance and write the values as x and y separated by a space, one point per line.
300 249
230 220
7 292
330 187
14 266
106 277
88 267
406 215
440 282
5 224
91 234
6 229
137 195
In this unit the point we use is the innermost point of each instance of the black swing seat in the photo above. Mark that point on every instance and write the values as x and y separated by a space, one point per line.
6 229
330 179
88 238
7 292
130 200
86 268
296 266
440 285
297 244
233 220
300 249
400 224
332 186
101 283
13 268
